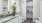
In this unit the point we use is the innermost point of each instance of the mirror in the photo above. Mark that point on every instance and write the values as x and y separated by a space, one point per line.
10 8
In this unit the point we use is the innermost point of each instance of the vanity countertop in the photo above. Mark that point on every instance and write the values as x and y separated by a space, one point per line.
9 18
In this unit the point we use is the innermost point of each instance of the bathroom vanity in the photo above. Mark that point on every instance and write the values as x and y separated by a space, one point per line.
12 19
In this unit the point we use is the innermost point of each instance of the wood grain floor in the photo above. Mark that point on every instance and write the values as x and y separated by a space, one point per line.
29 20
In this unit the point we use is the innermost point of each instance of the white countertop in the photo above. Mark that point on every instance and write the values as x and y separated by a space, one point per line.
8 18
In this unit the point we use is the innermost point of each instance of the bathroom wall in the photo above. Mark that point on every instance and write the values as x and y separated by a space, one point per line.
40 11
23 8
1 7
5 5
36 9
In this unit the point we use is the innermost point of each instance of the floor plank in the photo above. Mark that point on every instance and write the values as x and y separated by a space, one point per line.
29 20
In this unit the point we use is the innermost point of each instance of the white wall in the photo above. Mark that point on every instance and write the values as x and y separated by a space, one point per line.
41 11
23 8
36 8
10 3
17 6
5 4
1 7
